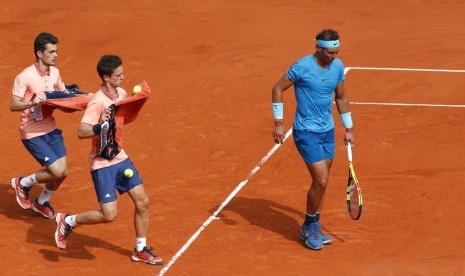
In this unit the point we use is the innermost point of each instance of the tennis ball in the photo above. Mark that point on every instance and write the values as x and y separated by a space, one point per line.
128 173
137 89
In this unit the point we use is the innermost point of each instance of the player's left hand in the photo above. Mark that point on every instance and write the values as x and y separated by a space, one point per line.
106 115
278 134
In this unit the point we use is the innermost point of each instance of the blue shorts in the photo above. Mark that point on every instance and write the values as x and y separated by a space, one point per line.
46 148
314 147
108 180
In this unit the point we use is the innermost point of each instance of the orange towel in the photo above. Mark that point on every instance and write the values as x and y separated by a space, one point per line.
69 104
126 112
128 108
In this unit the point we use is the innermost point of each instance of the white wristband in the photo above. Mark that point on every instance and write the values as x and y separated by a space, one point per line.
278 110
346 119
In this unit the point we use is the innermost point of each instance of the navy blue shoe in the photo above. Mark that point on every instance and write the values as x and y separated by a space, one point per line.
309 233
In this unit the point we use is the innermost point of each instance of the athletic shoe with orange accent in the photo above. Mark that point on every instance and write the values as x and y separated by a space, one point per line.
46 209
63 231
146 256
22 193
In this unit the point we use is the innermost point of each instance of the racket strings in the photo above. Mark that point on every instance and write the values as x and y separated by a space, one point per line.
354 199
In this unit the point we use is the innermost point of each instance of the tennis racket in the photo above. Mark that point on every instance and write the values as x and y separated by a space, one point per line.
354 193
108 148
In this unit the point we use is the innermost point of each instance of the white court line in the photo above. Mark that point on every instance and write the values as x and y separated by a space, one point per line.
225 202
405 69
408 104
271 152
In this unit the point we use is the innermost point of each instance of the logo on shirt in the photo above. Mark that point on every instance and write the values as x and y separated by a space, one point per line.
36 113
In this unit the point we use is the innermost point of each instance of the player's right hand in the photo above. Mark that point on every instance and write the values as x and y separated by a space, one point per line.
37 100
349 137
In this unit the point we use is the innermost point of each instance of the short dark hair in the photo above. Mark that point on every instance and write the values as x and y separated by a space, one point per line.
327 35
108 64
42 40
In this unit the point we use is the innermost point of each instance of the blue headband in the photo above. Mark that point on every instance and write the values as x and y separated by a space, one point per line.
328 43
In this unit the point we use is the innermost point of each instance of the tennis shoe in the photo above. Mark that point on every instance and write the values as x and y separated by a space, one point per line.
146 256
62 231
309 233
22 193
325 239
46 209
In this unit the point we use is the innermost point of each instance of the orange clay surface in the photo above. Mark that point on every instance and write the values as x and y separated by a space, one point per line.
211 65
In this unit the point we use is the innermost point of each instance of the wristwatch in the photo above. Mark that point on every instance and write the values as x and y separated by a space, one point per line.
278 122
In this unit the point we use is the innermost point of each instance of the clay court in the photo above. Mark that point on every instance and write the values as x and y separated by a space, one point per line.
207 126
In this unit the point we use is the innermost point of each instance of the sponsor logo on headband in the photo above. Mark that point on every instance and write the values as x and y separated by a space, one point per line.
328 43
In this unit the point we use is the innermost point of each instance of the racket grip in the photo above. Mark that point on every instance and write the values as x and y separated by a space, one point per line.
349 152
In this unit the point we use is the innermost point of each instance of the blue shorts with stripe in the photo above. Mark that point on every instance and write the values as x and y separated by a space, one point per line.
109 179
46 148
313 146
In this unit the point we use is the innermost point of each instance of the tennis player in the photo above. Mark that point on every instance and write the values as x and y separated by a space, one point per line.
38 130
316 79
108 171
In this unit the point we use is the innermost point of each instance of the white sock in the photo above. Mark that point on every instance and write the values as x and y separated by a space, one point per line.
45 196
141 243
71 220
28 181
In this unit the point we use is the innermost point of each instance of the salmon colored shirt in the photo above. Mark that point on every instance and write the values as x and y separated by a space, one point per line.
37 120
93 115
